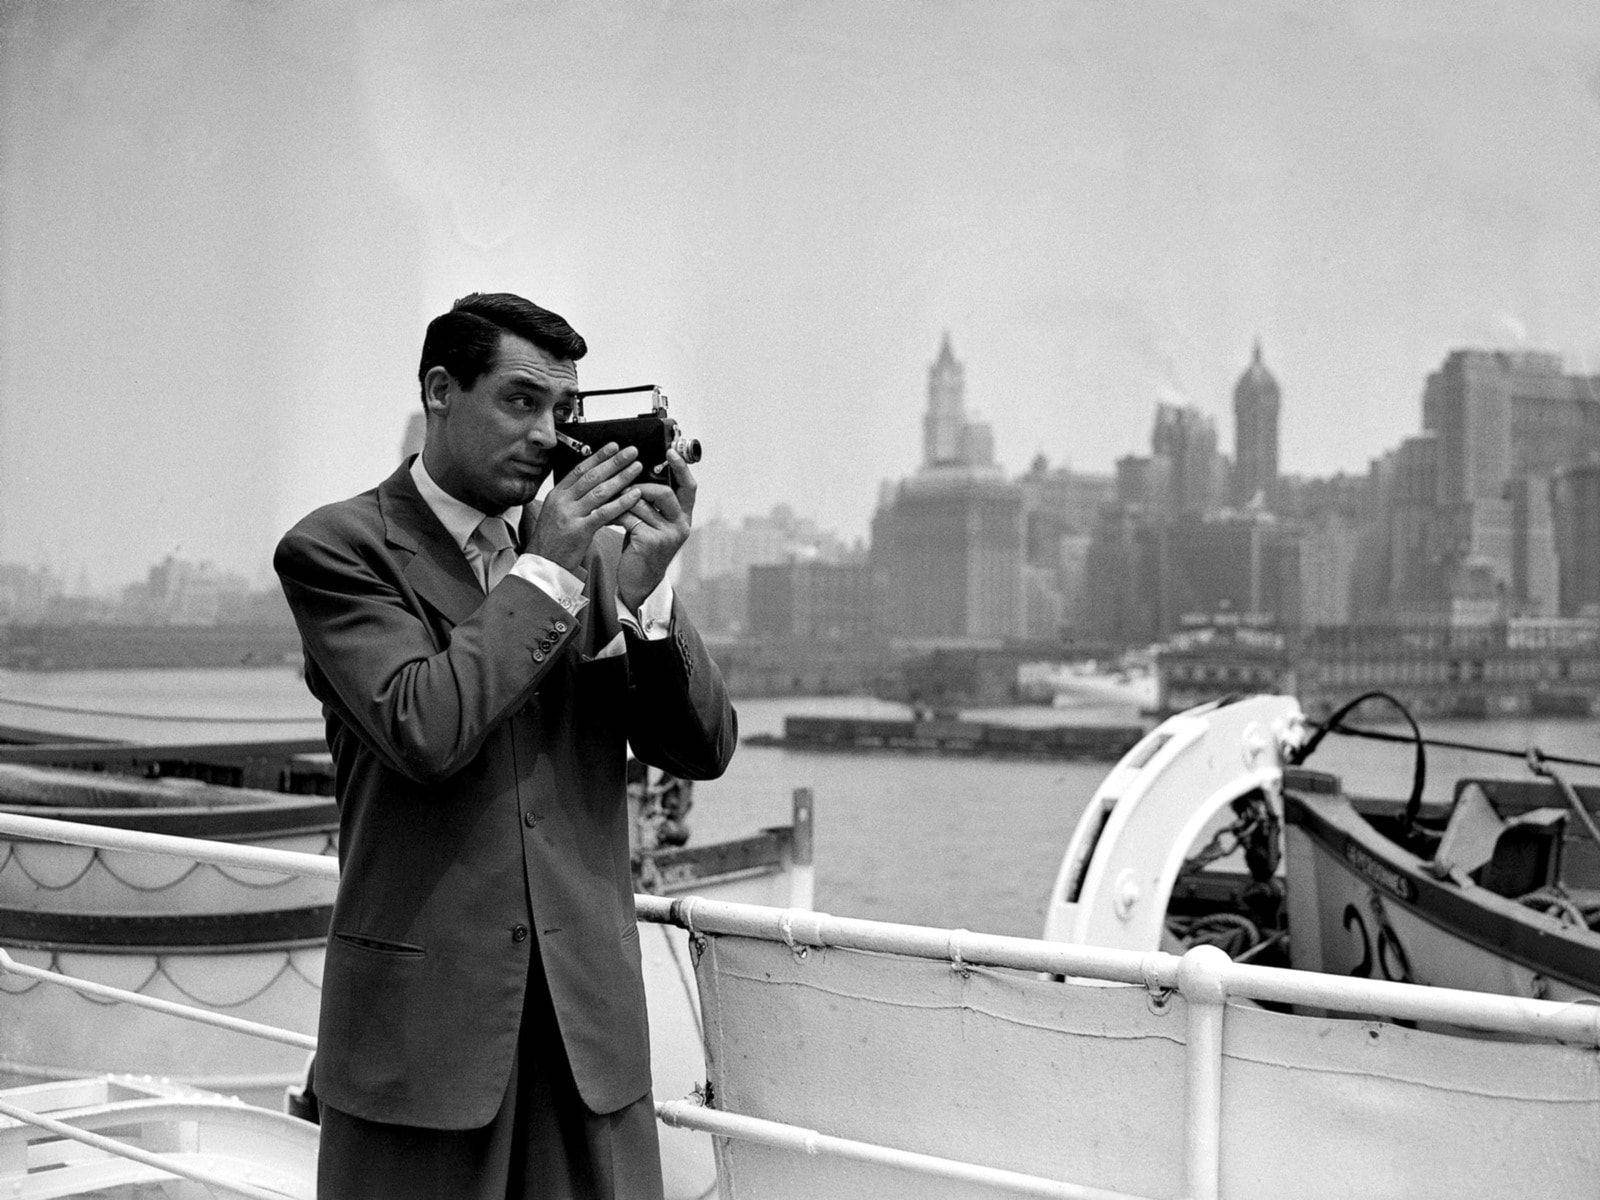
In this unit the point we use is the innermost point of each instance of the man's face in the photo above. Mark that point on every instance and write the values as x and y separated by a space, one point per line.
490 444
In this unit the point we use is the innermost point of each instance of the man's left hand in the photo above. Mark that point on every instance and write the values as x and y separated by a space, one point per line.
656 527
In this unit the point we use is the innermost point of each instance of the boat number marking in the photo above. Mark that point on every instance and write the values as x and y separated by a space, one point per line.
1388 955
1378 873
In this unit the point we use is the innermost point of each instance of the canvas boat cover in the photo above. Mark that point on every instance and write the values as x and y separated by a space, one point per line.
1086 1084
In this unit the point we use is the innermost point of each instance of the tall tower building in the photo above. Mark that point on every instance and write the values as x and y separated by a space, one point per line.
1255 432
1186 439
947 543
946 417
948 438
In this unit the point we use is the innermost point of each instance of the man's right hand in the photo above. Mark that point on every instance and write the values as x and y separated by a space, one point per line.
594 494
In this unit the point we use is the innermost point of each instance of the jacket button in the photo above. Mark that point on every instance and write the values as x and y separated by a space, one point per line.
560 626
538 656
530 819
519 933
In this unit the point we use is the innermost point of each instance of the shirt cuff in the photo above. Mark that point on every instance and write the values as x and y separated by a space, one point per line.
654 621
560 584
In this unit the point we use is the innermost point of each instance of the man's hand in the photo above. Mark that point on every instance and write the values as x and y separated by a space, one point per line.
594 494
657 526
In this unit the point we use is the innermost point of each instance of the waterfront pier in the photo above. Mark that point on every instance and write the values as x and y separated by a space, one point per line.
1478 671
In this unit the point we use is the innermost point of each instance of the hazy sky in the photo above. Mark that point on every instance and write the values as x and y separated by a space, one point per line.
225 225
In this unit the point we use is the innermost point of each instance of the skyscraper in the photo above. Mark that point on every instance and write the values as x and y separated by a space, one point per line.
947 543
1187 439
948 438
1255 433
1506 422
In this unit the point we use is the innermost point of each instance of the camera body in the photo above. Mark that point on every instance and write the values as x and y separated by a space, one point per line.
652 433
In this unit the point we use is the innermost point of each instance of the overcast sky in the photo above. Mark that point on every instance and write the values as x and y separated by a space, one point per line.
225 225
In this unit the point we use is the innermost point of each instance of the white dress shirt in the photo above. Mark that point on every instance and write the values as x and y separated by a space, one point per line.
460 519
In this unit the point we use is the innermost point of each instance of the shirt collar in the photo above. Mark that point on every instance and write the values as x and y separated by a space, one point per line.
457 516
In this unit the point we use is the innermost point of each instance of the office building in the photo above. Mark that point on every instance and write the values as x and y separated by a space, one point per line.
1575 496
947 552
811 601
1186 440
947 543
1256 400
1504 421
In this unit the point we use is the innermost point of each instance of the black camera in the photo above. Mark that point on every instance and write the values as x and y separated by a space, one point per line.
652 433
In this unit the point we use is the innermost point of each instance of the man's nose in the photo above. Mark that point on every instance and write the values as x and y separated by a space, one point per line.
542 430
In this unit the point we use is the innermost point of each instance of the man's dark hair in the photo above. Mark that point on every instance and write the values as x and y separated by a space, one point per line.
465 340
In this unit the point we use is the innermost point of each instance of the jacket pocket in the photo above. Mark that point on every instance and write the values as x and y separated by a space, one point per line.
380 945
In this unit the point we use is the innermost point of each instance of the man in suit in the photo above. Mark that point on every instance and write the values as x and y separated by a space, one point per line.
482 659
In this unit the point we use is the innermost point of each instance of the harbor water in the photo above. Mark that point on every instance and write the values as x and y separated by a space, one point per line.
950 841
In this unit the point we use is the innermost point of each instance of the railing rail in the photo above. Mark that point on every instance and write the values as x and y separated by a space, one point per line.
188 1012
1156 970
689 1114
228 854
212 1180
1205 977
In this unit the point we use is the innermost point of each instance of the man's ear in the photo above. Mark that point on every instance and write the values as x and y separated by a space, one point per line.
436 391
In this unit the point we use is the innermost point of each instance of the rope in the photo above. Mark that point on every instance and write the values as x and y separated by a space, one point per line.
953 949
1554 903
165 717
1419 771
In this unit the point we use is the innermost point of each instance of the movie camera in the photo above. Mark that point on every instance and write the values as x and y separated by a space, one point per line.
652 433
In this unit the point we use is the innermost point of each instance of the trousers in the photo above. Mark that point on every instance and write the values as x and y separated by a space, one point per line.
543 1144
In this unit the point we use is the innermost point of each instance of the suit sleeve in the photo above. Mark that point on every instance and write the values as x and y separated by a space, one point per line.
424 711
679 716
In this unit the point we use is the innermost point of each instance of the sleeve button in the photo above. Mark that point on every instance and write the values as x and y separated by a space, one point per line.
560 627
538 656
519 933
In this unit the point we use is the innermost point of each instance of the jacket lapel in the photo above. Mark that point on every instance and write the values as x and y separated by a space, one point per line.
437 569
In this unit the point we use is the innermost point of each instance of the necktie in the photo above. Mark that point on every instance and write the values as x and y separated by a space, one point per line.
491 551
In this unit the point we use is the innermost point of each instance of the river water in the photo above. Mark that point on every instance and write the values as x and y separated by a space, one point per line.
899 837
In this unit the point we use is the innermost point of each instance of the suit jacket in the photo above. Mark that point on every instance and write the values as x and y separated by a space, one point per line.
478 749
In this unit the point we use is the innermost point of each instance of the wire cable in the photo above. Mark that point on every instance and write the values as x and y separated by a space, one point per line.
1383 735
169 718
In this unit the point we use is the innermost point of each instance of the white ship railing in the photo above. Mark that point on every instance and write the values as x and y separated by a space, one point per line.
1205 977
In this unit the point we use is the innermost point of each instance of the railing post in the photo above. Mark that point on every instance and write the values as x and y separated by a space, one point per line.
1203 983
803 878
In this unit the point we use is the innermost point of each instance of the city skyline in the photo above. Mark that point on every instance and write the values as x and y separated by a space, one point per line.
1481 519
224 230
945 384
